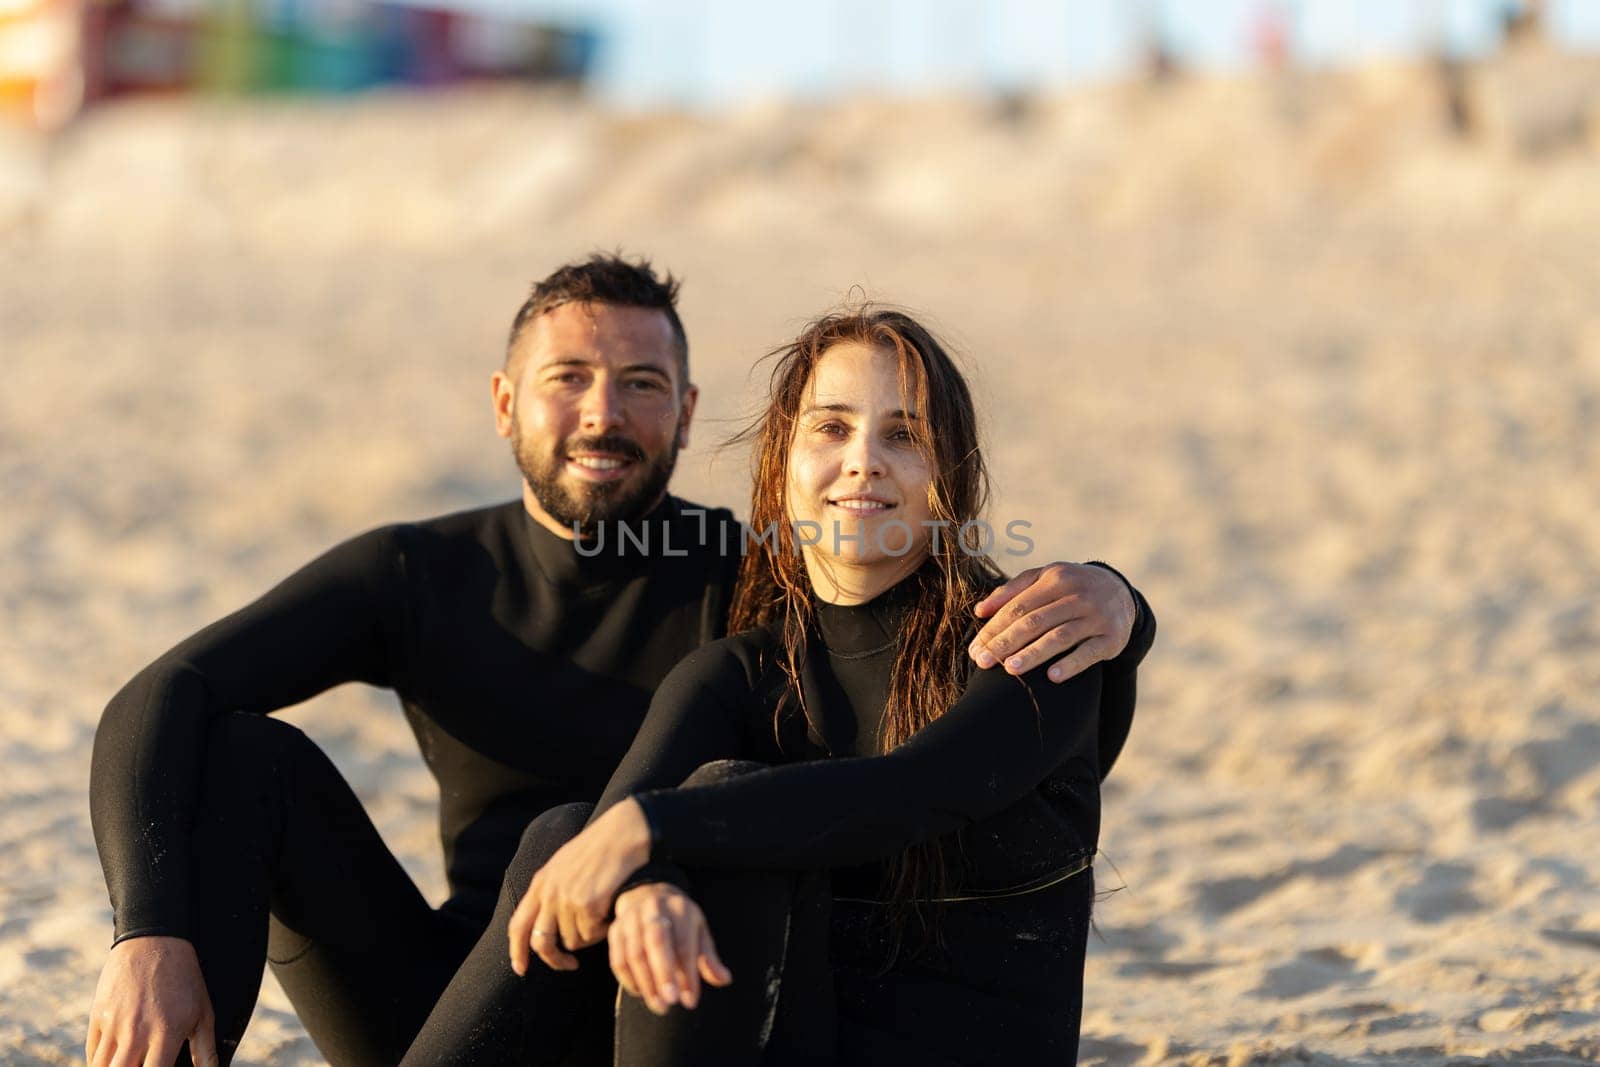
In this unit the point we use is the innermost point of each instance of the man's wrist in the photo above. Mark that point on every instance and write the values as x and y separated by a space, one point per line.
1133 596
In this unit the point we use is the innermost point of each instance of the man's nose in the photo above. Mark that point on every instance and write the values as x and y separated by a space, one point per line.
602 408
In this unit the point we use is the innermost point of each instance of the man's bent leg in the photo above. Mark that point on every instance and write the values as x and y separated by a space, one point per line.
283 841
491 1015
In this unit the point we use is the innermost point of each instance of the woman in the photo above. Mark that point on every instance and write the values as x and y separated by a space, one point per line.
891 852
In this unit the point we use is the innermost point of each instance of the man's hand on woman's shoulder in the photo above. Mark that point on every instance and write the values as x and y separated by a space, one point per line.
1080 612
150 1000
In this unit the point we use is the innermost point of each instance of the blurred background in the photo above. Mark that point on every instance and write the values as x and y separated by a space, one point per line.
1288 309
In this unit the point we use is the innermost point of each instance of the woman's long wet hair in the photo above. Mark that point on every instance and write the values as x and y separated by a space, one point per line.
773 585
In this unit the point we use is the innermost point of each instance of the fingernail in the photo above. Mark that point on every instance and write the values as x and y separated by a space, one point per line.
1014 664
986 659
670 993
1055 674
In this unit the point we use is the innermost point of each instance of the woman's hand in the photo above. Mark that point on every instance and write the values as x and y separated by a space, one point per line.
568 903
661 947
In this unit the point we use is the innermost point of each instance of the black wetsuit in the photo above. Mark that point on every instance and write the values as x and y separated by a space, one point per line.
1007 781
524 670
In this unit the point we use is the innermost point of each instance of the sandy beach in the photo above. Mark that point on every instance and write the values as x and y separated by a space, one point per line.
1322 376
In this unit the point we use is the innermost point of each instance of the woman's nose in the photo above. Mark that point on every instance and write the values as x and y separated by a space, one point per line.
863 459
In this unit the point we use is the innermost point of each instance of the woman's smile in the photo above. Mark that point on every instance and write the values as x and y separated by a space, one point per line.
861 505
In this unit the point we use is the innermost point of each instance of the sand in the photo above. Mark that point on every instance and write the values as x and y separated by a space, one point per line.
1321 376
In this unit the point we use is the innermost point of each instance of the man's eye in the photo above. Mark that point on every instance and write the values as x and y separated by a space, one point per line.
645 385
567 377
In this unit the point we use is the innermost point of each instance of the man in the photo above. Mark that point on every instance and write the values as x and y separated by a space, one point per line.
524 667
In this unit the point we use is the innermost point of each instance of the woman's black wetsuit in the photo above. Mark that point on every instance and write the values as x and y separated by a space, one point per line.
788 858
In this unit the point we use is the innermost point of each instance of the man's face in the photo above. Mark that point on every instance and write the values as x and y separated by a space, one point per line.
595 412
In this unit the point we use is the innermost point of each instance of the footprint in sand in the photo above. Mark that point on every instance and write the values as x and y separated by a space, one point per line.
1310 972
1444 891
1143 939
1501 813
1370 1018
1166 968
1224 895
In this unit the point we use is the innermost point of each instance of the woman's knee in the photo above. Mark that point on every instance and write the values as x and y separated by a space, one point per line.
540 840
722 770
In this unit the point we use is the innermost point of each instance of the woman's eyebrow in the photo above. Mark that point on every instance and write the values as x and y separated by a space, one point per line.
848 409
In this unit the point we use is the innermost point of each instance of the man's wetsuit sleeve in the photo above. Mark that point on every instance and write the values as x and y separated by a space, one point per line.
998 741
333 621
1120 688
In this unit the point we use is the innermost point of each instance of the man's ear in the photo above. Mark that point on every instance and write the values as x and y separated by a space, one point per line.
686 414
503 392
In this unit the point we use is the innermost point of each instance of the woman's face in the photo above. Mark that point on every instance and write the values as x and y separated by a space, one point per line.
856 473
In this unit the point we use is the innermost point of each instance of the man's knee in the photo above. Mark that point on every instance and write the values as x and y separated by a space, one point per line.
722 770
241 746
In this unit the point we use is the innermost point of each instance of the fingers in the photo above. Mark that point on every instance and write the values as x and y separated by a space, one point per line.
1028 632
103 1051
163 1051
685 931
711 966
1081 659
203 1044
520 931
1023 619
91 1041
644 976
660 958
616 942
1002 596
589 925
548 941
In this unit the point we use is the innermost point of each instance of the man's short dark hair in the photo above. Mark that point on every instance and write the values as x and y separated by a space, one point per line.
606 279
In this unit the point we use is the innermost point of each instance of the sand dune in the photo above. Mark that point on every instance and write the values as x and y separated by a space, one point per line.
1323 377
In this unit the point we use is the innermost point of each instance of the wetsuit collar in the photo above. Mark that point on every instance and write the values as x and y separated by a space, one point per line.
872 626
613 557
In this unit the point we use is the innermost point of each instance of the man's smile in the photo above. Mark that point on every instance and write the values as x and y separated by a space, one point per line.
599 466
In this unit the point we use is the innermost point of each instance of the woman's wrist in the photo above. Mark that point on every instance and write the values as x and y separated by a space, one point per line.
635 830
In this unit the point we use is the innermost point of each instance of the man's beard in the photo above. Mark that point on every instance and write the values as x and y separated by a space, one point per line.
593 503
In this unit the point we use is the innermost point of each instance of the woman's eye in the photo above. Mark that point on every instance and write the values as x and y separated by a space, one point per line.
831 429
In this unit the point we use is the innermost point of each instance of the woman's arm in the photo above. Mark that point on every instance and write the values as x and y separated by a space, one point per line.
697 715
998 741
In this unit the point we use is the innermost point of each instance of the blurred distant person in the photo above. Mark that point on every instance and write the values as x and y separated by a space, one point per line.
1521 22
1272 37
524 649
